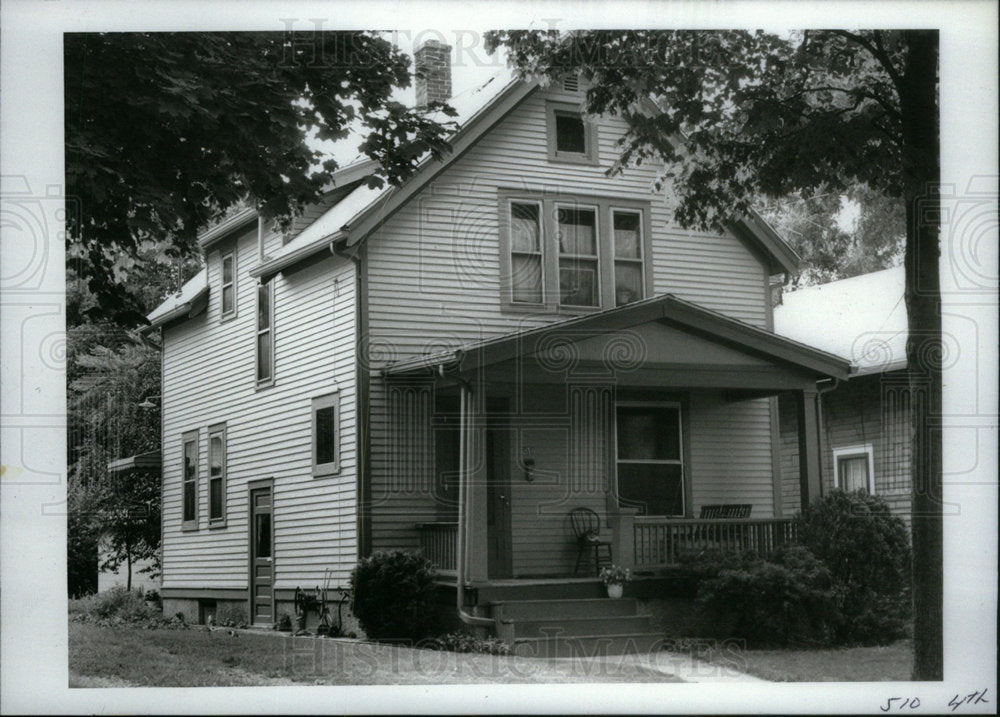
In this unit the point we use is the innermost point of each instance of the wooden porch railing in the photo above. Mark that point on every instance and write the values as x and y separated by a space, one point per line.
439 545
659 541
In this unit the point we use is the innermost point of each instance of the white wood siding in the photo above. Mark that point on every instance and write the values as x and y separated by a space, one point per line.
434 272
731 452
209 377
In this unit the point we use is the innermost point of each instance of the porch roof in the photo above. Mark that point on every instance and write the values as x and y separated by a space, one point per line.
665 310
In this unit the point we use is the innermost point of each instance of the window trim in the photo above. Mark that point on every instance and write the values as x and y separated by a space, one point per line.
330 400
269 380
682 462
231 314
554 108
187 437
856 451
550 255
218 429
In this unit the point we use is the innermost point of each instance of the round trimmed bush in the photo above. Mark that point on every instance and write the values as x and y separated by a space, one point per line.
394 596
867 550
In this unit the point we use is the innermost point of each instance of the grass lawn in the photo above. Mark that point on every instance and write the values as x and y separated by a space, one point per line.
124 657
852 664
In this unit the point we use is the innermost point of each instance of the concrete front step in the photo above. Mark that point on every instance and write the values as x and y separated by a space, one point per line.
641 644
574 626
539 609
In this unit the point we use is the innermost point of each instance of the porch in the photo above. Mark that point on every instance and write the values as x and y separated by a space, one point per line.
644 544
644 415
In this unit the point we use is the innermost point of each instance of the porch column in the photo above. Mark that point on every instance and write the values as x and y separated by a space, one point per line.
807 405
476 497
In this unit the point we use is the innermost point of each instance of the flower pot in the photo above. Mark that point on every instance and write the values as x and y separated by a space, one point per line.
615 590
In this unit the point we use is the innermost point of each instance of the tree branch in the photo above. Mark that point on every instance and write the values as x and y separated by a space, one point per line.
877 51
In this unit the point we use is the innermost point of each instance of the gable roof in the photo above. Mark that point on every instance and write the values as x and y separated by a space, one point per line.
189 301
666 309
862 319
362 210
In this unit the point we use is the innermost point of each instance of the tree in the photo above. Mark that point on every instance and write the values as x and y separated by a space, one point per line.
734 115
119 511
166 131
829 249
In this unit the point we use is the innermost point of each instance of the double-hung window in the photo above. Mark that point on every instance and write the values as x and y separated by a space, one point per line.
217 475
189 481
265 332
579 264
326 434
227 292
572 254
649 458
855 467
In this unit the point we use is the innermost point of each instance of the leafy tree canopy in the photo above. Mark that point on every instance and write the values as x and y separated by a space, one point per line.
165 131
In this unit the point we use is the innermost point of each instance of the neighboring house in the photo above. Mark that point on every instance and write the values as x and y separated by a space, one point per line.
865 430
455 364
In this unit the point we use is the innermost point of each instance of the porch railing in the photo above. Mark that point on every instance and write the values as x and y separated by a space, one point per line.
659 541
439 545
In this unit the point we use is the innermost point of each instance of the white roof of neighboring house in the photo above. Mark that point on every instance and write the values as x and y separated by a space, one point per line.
862 319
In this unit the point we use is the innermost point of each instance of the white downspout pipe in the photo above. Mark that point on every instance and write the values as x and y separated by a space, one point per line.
464 451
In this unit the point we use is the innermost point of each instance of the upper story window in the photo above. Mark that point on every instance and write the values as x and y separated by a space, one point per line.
217 474
571 137
189 481
326 434
573 254
265 332
227 290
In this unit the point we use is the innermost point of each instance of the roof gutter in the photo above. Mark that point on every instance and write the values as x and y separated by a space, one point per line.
268 269
180 312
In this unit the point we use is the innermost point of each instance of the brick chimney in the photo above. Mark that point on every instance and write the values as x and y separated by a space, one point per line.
433 73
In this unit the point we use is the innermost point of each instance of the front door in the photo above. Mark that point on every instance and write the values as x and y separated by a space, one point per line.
498 502
261 558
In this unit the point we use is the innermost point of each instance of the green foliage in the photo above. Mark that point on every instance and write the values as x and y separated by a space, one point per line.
394 595
122 511
788 599
120 607
166 131
829 249
867 550
464 642
230 615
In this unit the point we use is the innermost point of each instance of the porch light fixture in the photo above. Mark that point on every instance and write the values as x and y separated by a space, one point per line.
529 465
147 402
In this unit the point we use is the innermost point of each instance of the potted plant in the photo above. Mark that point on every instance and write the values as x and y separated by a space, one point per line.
614 578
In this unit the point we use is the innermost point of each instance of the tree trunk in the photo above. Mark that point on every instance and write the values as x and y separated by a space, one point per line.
128 565
924 350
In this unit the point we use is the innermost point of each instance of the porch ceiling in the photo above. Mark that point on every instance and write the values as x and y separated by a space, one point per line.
660 341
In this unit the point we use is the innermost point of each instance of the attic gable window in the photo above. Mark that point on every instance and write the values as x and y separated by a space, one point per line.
227 292
571 138
265 332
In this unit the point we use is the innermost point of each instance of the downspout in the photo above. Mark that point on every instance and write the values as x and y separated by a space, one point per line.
465 394
362 396
820 426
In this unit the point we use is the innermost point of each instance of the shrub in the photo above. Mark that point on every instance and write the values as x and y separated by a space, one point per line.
394 595
464 642
788 599
230 615
867 550
118 606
